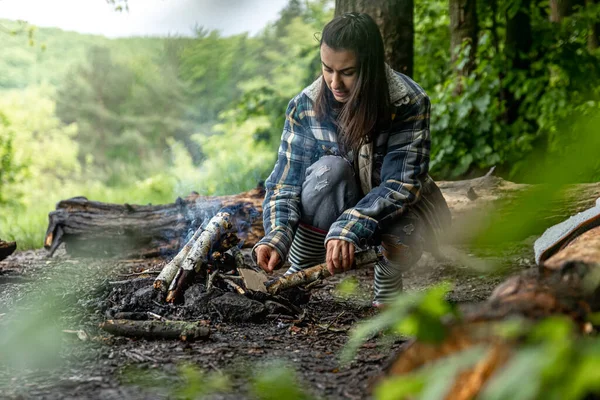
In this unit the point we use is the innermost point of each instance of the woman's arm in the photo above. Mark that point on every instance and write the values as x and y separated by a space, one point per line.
404 168
281 207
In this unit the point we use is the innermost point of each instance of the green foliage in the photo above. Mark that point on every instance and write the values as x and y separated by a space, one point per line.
554 363
418 314
277 381
431 382
536 208
54 52
502 112
10 172
144 120
198 384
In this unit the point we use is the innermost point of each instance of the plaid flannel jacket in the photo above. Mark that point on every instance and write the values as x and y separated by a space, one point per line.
400 164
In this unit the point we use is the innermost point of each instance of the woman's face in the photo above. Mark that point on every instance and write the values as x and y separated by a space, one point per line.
340 71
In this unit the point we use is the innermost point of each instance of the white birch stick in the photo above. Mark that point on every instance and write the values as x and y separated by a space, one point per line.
167 275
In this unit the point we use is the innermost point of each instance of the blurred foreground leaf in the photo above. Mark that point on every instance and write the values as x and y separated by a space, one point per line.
416 313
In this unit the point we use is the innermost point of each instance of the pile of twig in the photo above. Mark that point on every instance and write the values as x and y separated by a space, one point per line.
203 254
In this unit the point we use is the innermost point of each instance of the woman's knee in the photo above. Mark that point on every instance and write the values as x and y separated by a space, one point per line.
402 242
329 189
328 171
399 253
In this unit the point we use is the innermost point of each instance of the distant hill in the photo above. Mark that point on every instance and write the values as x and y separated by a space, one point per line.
53 51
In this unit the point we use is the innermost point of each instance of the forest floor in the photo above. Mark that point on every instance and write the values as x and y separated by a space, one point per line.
41 297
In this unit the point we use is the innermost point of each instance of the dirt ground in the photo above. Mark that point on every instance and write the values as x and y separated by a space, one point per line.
42 297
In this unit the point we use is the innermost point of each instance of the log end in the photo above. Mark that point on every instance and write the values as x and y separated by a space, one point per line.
194 333
6 249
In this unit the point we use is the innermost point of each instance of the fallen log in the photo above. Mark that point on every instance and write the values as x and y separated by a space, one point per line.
89 227
186 331
6 249
565 284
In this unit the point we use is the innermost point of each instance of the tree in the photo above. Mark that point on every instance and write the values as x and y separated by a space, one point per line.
562 8
395 19
518 43
464 28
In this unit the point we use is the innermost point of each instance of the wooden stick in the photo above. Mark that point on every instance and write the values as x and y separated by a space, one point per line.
186 331
182 281
361 259
238 257
217 227
235 286
166 276
209 281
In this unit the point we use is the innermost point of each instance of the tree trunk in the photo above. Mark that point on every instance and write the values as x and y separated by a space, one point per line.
396 23
463 28
594 29
560 287
563 8
519 39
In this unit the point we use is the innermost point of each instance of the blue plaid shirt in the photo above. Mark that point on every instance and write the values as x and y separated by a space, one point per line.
400 166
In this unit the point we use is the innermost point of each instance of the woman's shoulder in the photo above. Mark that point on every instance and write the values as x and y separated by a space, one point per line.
302 105
404 90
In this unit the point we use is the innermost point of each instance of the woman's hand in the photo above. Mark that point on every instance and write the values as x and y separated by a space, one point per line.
267 258
340 255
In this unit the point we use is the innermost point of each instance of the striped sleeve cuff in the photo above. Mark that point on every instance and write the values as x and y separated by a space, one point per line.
352 231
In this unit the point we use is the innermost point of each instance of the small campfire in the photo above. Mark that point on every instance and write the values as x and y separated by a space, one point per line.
210 275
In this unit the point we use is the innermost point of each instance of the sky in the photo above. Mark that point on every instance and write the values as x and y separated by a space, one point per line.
145 17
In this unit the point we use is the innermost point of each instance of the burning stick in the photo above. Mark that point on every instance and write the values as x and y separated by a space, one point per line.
186 331
361 260
166 276
217 227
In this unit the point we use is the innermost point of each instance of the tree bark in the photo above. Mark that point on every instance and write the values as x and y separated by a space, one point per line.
594 29
560 9
94 228
463 28
396 23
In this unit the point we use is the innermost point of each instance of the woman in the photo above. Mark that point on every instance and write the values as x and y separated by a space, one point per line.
352 165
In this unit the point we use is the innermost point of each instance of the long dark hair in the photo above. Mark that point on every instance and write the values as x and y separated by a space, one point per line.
368 107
